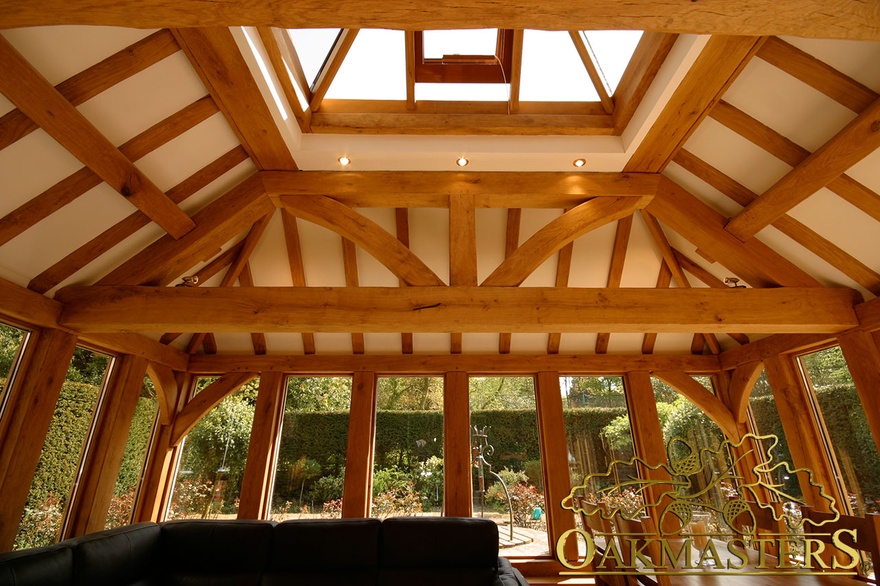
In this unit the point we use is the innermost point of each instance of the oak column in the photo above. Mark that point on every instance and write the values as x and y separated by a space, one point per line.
457 465
359 453
28 413
255 489
863 359
802 431
554 452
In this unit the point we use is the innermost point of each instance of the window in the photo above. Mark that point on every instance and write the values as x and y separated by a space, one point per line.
12 341
60 461
310 469
212 460
598 431
848 433
508 477
408 457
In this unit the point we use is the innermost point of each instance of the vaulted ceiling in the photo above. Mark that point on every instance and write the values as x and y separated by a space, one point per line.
152 183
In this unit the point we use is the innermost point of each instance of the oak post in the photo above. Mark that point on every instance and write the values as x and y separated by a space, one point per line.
359 454
803 432
258 470
91 500
862 356
554 452
28 413
457 464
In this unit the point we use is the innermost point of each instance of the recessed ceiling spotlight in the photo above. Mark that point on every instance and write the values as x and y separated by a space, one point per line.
462 161
579 162
344 161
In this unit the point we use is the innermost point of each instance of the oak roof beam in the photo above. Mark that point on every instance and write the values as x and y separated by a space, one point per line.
42 103
432 189
845 19
456 309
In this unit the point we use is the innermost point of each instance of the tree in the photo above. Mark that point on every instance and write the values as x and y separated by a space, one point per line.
10 342
321 393
502 392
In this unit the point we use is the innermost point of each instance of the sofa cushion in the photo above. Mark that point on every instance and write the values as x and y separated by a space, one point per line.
45 566
120 557
202 552
432 550
325 552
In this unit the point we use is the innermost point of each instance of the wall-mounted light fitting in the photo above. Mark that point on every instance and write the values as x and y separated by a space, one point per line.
462 161
344 161
580 162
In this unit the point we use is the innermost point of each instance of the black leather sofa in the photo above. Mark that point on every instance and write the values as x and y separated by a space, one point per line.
404 551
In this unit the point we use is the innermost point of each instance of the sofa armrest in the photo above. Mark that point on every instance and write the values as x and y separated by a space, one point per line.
508 575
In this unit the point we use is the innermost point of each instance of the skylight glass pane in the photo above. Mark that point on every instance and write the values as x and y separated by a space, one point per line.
460 42
613 51
475 92
552 70
374 69
313 45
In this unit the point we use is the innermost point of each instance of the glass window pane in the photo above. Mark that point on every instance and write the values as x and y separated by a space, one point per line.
131 470
310 470
12 340
507 475
598 431
848 430
709 480
766 420
211 466
408 457
59 463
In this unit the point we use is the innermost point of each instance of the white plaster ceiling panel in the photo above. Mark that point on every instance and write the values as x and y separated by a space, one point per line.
5 106
137 103
867 171
532 221
856 59
65 230
218 187
182 156
26 170
491 226
284 343
736 156
529 343
578 343
49 49
371 272
326 343
626 343
382 343
479 343
674 343
642 258
429 238
270 266
234 343
787 105
702 190
322 255
591 257
425 343
843 224
804 259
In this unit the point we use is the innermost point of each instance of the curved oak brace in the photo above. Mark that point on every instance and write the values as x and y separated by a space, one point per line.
703 398
207 399
387 249
566 228
742 381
